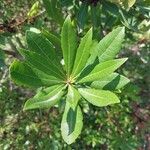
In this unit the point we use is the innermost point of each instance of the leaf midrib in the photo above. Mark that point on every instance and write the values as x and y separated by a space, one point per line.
109 45
80 59
51 98
92 94
96 73
35 77
45 54
46 68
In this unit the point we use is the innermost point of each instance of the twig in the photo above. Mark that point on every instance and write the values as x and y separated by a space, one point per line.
12 53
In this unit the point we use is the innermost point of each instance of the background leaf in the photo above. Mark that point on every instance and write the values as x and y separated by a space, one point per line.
53 10
34 10
82 14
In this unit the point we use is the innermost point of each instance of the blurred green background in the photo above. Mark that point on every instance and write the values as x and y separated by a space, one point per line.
124 126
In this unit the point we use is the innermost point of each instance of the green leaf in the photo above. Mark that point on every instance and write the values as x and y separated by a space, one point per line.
102 70
99 97
55 40
38 61
22 74
128 3
34 10
53 11
69 44
46 98
110 45
83 53
71 124
2 58
73 96
39 44
111 82
82 15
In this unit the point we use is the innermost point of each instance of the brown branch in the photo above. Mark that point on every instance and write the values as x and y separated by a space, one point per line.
12 53
12 25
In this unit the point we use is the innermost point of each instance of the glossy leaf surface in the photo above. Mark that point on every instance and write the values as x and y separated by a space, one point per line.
110 45
69 44
22 74
103 69
51 96
83 53
99 97
41 63
73 96
112 82
71 124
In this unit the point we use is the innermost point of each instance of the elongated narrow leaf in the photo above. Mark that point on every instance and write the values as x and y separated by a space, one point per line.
112 82
103 69
73 97
47 66
71 124
51 96
69 44
99 97
83 52
22 74
110 45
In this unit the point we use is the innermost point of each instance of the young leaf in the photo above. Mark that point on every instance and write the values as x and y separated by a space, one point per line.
69 44
22 74
102 70
83 53
34 10
110 45
71 124
99 97
41 63
73 97
111 82
52 96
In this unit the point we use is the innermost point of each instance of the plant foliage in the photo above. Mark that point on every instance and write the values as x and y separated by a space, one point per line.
77 79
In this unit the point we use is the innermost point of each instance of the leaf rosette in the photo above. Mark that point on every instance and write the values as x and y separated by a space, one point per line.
88 72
